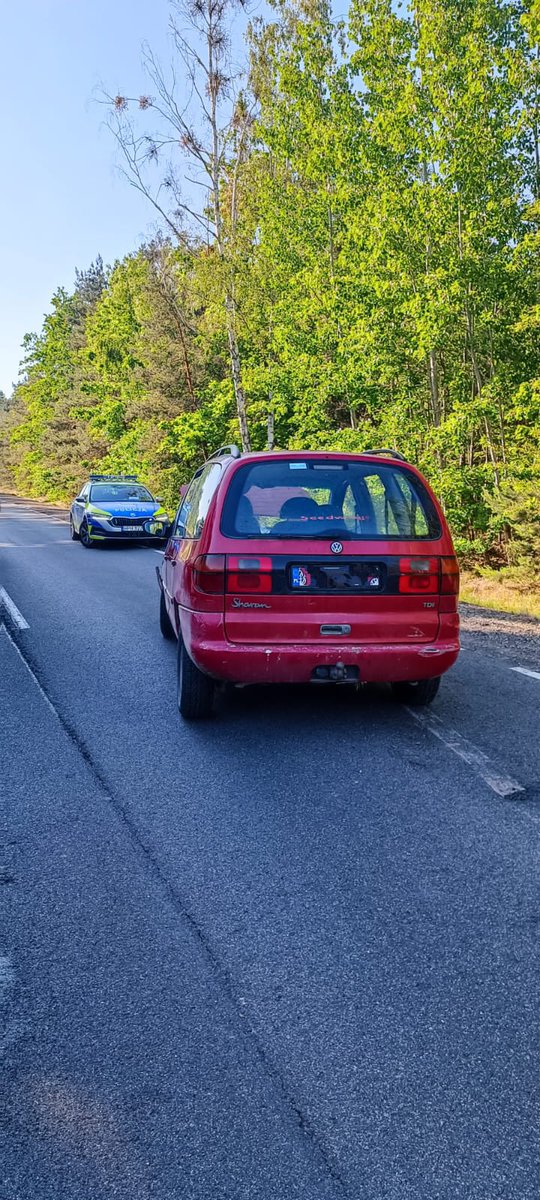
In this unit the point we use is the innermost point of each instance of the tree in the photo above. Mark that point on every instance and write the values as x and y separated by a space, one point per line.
209 130
367 252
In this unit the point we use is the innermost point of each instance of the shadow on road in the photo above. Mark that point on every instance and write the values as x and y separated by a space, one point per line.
327 707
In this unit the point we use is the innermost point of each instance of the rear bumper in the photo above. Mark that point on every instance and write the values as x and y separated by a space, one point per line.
206 643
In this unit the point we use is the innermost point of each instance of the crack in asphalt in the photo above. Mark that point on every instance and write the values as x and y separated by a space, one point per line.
176 899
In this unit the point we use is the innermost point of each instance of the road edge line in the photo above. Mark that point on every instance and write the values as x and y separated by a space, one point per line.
12 610
502 784
526 671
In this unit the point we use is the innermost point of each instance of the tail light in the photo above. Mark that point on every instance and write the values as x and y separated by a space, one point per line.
249 574
418 575
209 574
449 576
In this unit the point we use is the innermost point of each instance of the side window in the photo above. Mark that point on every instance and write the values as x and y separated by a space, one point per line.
359 512
178 522
179 527
350 515
377 495
398 512
416 515
194 509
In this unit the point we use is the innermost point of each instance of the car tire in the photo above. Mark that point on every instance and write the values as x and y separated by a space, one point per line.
84 535
74 535
195 690
165 623
417 694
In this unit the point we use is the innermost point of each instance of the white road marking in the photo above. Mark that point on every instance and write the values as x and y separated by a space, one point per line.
10 1030
157 551
500 783
31 673
7 974
35 545
11 608
525 671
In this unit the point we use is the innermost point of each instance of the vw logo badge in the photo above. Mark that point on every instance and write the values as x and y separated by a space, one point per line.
336 547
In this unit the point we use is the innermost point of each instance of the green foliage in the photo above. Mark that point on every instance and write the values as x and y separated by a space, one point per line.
516 513
383 254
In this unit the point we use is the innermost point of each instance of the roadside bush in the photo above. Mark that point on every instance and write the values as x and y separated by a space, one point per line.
515 514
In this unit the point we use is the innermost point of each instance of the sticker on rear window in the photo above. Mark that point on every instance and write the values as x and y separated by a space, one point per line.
294 466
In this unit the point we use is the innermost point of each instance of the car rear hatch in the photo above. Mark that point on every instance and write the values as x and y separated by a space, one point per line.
331 551
280 599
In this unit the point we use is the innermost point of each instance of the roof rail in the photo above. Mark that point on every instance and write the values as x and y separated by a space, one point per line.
389 453
231 450
122 478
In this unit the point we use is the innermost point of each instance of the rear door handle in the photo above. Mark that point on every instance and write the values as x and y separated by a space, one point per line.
335 630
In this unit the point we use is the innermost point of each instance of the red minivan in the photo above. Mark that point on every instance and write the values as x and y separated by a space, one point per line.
284 567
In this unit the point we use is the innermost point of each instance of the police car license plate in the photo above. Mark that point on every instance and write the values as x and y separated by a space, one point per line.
132 528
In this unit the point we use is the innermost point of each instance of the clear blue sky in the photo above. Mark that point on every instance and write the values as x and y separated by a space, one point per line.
61 201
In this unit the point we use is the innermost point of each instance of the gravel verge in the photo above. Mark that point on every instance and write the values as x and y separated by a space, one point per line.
508 634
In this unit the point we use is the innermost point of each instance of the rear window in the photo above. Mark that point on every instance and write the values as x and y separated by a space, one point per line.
321 498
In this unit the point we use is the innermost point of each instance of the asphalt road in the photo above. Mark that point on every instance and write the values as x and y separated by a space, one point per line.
290 953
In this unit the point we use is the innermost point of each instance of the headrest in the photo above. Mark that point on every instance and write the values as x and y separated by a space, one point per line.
297 507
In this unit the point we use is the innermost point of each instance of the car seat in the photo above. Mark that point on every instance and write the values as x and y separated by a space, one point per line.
296 516
246 521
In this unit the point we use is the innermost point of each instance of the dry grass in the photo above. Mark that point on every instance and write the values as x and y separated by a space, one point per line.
502 592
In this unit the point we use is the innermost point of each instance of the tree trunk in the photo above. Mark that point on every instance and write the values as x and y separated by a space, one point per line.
536 132
472 350
434 388
185 355
187 368
270 436
230 305
234 355
491 453
501 428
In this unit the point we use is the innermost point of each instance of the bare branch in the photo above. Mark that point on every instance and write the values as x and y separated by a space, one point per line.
132 173
218 154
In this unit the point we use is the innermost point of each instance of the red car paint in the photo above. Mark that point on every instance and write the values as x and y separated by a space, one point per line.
235 626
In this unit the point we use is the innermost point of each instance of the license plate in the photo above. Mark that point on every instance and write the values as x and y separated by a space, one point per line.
132 529
337 576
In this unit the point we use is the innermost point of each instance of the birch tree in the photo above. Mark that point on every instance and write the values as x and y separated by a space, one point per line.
188 164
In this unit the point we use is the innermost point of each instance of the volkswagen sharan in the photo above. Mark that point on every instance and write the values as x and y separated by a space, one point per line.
290 567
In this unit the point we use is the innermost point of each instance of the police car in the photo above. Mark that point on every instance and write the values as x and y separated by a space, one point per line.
117 508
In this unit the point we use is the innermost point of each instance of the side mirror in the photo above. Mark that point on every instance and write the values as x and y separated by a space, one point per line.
158 499
79 500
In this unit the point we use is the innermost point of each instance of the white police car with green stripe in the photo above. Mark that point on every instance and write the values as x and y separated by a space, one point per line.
117 508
